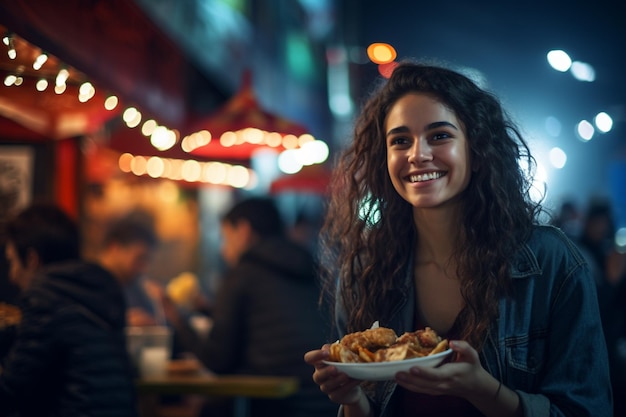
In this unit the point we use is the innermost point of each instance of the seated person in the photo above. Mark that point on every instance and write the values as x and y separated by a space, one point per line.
265 314
69 357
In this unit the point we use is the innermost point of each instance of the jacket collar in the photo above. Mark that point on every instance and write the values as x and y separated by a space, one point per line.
524 263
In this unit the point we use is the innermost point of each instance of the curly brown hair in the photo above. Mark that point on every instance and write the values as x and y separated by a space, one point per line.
366 244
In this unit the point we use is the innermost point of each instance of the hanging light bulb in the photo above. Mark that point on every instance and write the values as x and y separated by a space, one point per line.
10 80
39 61
86 92
62 77
111 102
42 84
11 52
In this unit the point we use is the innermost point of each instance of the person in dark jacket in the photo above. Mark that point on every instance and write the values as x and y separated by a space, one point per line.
265 315
69 357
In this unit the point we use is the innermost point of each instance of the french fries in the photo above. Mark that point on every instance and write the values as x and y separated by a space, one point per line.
381 344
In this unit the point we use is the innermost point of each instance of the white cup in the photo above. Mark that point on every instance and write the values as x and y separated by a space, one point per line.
153 361
150 349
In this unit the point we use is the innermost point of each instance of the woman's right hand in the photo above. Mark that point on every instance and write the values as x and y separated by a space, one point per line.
339 387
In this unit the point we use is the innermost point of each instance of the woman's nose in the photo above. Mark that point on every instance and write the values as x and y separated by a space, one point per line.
420 152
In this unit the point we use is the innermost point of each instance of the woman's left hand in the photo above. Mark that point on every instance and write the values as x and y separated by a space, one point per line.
463 376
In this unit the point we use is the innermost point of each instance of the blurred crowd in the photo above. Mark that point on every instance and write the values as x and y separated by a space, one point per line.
593 229
262 319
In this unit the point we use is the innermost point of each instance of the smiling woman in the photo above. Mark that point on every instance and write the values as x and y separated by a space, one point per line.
453 241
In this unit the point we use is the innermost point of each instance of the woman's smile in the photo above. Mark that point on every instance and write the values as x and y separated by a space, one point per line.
428 176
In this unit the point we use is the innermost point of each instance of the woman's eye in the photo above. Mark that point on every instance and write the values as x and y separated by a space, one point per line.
440 136
398 141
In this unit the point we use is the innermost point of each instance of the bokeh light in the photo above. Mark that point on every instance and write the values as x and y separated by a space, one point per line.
603 122
558 158
381 53
559 60
585 130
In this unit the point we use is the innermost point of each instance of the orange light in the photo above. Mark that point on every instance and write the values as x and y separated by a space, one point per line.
387 69
381 53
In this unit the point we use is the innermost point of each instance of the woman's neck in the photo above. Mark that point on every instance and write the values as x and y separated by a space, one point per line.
437 232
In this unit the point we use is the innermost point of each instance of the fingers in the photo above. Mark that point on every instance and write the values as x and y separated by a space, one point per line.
457 377
339 387
459 345
432 381
346 393
315 357
464 351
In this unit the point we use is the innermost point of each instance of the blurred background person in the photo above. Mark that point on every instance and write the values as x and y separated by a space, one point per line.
616 339
127 248
597 233
69 357
305 230
265 315
568 219
9 291
597 243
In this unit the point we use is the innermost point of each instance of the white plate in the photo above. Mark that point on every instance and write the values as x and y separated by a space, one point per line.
382 371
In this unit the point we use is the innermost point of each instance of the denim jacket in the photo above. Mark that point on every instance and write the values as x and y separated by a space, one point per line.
547 343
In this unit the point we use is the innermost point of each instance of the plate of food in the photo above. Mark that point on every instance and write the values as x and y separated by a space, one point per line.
377 354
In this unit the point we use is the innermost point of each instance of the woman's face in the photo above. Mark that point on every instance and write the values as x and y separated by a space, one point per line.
427 151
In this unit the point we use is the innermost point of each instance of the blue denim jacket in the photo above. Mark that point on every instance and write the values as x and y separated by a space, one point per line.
547 344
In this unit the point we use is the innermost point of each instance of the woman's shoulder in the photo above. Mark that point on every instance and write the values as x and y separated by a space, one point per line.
547 243
547 237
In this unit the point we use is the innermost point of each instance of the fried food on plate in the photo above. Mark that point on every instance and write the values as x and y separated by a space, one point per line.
381 344
371 339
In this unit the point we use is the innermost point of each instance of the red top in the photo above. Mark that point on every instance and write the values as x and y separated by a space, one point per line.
411 403
423 405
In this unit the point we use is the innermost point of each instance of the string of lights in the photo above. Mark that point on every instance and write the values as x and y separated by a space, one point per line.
49 71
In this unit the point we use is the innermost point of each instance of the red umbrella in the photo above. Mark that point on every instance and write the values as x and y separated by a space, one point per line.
241 114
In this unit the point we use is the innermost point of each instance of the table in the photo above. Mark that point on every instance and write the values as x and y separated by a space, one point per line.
240 387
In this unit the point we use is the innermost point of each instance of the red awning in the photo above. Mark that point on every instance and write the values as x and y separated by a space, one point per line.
312 179
44 114
240 112
118 48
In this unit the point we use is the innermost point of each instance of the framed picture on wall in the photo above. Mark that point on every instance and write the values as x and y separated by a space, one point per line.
16 178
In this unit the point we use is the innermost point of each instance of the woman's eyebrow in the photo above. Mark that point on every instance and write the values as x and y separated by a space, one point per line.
430 126
399 129
436 125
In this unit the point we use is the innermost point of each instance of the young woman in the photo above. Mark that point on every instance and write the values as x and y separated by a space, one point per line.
430 223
